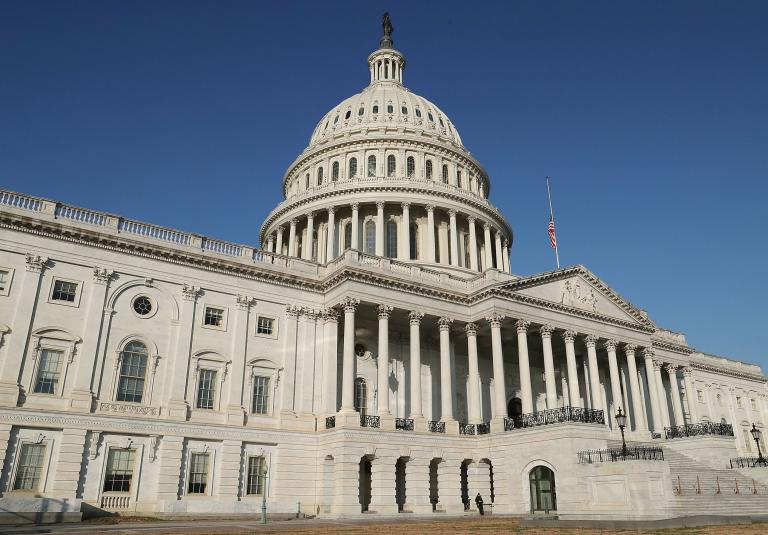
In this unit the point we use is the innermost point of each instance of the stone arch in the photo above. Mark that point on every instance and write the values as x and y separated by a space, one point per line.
525 479
174 304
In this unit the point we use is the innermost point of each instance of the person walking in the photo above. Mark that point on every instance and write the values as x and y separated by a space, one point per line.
479 503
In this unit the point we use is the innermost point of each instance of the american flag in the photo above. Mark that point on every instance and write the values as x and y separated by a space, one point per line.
551 229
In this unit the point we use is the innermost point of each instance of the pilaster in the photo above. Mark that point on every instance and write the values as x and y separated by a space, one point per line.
168 479
178 408
383 485
479 481
417 486
66 472
449 486
231 469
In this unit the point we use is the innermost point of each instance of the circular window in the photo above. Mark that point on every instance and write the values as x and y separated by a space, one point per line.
359 350
143 306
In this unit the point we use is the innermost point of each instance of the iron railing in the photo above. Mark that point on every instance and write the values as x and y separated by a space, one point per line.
703 428
436 427
635 453
406 424
330 422
554 416
483 429
370 421
749 462
466 429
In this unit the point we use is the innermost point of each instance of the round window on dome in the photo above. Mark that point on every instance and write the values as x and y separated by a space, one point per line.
349 113
143 306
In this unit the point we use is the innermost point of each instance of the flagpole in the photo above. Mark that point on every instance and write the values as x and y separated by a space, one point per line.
552 216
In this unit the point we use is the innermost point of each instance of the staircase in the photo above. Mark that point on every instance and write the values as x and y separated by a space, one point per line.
702 490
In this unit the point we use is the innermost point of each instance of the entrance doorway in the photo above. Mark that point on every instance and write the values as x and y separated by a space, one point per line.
434 497
515 409
465 484
365 484
400 483
542 481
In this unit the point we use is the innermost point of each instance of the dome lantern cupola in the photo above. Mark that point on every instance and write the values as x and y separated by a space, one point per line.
386 64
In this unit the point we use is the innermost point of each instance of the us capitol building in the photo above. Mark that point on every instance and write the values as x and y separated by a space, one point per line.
376 355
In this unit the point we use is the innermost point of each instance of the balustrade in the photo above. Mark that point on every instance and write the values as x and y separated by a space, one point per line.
113 502
406 424
637 453
370 421
554 416
703 428
330 422
435 426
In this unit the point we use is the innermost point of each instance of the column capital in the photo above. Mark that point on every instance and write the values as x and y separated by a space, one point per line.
355 205
415 317
35 263
486 226
470 329
506 243
569 336
452 213
384 311
590 340
657 364
329 315
308 314
610 344
430 208
102 275
648 352
522 326
671 369
244 302
405 205
189 292
331 209
471 219
350 304
310 214
279 229
445 323
495 319
546 330
380 205
630 348
292 311
687 371
294 221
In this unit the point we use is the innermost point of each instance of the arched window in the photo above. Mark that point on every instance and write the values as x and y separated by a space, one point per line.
458 178
370 237
306 181
429 114
371 165
391 239
391 165
133 372
352 167
404 110
361 111
336 120
429 169
445 174
413 246
348 114
542 481
361 396
410 166
390 108
348 236
320 176
418 112
335 171
375 108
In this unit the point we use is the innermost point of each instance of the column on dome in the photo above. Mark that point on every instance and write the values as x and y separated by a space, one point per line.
331 234
404 243
690 394
653 391
473 264
454 238
677 407
507 266
380 228
384 311
594 375
473 397
613 370
488 245
414 319
292 238
634 387
549 365
279 245
431 252
347 415
306 246
524 364
446 371
499 386
573 371
271 243
499 261
355 242
662 395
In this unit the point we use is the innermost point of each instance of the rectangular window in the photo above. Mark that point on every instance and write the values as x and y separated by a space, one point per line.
265 326
260 395
257 472
700 396
64 291
4 277
206 389
119 470
753 404
198 473
214 317
48 372
31 458
739 404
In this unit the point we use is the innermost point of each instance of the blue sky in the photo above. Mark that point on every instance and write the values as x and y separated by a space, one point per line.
652 119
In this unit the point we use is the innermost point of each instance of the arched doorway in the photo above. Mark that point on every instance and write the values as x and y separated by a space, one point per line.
465 483
400 483
434 496
365 484
515 409
542 482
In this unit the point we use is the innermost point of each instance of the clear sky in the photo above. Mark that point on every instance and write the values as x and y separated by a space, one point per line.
651 117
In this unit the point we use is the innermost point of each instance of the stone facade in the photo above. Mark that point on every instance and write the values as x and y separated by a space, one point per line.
376 354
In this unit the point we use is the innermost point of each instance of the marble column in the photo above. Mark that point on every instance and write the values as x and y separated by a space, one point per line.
499 255
292 238
613 370
573 370
526 391
549 365
446 372
279 245
472 244
414 319
653 392
431 252
306 246
634 387
380 228
594 375
383 361
507 266
690 394
330 356
499 386
677 407
271 243
405 246
454 241
330 246
355 240
348 359
473 397
488 246
662 392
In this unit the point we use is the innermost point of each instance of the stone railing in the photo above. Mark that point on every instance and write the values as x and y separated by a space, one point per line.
636 453
554 416
700 429
115 502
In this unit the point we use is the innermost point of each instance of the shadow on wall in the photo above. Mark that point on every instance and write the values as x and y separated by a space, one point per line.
27 509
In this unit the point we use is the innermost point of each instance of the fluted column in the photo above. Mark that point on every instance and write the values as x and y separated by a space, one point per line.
499 386
499 260
331 234
549 365
507 266
525 367
653 391
405 246
348 359
431 253
634 387
454 238
662 393
279 246
677 407
380 228
414 319
472 244
690 394
446 372
488 245
383 360
292 238
573 371
306 247
594 374
473 397
355 226
613 369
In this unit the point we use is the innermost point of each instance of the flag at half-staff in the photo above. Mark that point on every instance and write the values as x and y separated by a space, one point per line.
551 227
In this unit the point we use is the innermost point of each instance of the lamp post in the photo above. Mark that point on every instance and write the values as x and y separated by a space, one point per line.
755 432
621 421
264 498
